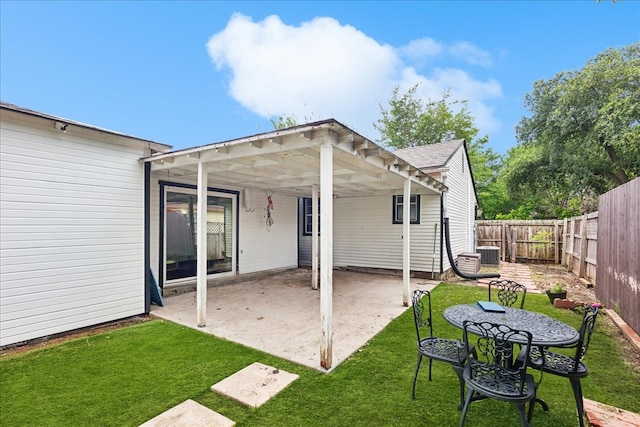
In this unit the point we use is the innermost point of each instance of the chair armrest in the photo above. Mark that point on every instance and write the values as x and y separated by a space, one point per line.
462 352
535 360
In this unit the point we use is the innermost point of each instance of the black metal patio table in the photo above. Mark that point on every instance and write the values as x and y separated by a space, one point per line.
546 331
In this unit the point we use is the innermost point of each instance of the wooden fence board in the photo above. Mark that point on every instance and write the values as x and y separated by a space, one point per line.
603 247
533 241
618 253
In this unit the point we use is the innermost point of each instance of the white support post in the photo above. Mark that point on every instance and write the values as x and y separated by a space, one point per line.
406 242
314 236
201 218
326 253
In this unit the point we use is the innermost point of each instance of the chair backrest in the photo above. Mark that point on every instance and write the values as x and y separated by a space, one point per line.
508 292
588 322
421 302
492 360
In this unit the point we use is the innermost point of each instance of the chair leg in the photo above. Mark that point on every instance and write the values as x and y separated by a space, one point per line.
415 377
523 418
542 403
577 392
466 406
458 370
430 363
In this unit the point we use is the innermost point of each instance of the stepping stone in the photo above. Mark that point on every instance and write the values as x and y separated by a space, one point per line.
189 414
255 384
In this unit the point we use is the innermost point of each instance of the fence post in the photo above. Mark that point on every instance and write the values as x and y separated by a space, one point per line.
556 244
569 251
565 243
502 244
583 247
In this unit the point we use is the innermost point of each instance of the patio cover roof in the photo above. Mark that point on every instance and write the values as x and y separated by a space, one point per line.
298 161
287 162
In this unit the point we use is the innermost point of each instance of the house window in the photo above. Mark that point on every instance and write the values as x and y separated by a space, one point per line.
308 216
414 209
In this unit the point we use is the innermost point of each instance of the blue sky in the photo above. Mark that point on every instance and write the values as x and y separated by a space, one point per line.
193 73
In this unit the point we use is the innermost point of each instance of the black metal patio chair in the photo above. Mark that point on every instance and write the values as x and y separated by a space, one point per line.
570 367
490 371
430 346
508 292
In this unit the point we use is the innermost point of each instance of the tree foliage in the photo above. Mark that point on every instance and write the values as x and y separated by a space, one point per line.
411 122
583 135
284 122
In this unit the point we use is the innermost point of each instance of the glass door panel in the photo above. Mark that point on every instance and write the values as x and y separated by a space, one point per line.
181 234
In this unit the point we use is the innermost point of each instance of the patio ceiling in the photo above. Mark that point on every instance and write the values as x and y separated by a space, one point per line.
287 162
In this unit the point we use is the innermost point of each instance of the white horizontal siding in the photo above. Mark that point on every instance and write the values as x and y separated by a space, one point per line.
460 202
364 235
265 250
71 229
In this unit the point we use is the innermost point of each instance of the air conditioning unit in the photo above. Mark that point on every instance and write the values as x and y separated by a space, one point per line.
468 263
489 255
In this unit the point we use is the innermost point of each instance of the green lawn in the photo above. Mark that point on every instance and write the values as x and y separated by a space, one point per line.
126 376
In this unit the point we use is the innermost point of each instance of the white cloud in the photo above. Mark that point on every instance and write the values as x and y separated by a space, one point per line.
471 53
323 69
422 48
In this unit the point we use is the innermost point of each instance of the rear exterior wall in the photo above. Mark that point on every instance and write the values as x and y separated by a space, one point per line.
460 205
72 240
365 236
258 249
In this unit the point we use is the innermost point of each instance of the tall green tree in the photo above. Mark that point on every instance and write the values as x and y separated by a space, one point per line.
411 121
584 130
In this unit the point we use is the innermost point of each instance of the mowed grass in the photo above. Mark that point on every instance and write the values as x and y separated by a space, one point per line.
126 376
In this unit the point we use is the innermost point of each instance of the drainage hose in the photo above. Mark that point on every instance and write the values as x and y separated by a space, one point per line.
445 223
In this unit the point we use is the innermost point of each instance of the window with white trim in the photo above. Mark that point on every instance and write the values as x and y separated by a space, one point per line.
307 213
414 209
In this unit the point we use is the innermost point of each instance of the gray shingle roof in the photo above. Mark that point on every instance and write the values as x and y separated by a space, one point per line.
430 156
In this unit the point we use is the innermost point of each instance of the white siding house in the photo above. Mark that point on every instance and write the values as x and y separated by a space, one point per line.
449 163
71 221
89 217
366 236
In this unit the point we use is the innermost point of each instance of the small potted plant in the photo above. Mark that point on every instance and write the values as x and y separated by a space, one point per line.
556 291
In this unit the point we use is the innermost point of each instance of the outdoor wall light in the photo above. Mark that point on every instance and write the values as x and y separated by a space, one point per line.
62 126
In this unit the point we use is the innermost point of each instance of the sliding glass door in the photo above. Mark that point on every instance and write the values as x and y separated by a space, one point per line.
181 230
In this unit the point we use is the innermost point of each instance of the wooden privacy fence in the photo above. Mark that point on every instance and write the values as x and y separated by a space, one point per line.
529 241
581 247
603 247
572 242
618 252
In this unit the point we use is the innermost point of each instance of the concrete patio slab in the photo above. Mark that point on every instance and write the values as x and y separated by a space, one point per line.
254 385
279 314
189 414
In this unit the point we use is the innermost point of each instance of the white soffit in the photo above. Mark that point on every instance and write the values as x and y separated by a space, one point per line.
287 162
